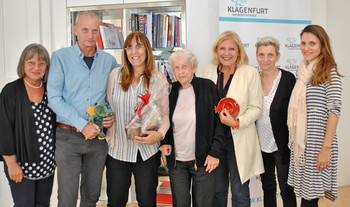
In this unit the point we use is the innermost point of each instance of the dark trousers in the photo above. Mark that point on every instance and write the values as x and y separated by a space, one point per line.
79 160
181 178
119 180
226 172
273 161
309 203
31 193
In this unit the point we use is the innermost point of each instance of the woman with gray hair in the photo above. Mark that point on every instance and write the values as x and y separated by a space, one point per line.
27 126
277 85
195 138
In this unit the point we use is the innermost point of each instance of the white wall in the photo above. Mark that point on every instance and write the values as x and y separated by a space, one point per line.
23 22
338 28
202 29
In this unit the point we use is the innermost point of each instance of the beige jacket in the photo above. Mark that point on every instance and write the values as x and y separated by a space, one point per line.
246 89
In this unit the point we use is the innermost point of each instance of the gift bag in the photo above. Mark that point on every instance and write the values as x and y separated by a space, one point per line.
148 115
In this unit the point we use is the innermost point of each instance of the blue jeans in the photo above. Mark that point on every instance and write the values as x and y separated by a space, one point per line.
226 172
181 177
31 193
268 179
77 157
119 180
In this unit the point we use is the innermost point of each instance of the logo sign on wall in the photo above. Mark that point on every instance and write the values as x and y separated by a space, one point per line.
254 19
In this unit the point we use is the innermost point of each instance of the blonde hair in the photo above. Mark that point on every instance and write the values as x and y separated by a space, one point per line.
265 41
242 59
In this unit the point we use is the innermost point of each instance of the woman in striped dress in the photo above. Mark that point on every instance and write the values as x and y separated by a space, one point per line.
313 114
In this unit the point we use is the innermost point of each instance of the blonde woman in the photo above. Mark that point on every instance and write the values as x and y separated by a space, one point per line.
241 158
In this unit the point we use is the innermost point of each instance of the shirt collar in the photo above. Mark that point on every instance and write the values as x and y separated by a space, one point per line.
81 55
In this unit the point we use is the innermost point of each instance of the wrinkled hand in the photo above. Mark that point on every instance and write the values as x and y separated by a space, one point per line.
165 149
323 159
226 118
151 137
90 131
108 121
211 163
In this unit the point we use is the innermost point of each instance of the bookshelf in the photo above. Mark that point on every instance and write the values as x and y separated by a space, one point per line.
127 16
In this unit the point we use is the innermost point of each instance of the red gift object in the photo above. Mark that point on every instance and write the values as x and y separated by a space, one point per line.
230 105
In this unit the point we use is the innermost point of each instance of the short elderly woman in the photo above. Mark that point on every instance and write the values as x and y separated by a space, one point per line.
241 158
195 138
27 124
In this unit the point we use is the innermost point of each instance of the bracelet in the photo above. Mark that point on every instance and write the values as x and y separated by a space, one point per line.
325 146
237 124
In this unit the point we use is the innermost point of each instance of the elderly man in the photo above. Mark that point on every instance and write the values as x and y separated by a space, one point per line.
77 80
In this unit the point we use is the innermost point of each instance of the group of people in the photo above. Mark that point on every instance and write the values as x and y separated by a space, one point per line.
282 123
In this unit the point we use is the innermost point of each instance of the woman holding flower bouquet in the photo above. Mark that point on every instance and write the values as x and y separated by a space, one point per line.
137 155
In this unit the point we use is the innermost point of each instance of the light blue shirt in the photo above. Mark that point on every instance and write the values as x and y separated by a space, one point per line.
72 87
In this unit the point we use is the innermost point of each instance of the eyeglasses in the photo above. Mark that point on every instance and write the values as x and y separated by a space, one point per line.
32 64
137 47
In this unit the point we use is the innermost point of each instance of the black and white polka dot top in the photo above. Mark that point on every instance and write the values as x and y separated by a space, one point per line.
45 137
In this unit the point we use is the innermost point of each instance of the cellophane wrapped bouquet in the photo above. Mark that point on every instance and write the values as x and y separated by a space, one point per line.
148 115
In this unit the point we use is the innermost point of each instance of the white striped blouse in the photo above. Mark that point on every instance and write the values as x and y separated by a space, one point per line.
124 103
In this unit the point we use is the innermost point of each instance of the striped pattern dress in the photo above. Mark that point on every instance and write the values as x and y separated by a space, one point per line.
124 102
308 183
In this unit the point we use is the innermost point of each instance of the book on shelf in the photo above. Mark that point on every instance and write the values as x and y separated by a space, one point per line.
155 31
170 42
99 40
120 35
162 30
110 36
141 23
177 32
148 27
130 23
165 31
137 25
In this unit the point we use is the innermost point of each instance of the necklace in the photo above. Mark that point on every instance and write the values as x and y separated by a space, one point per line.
41 84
